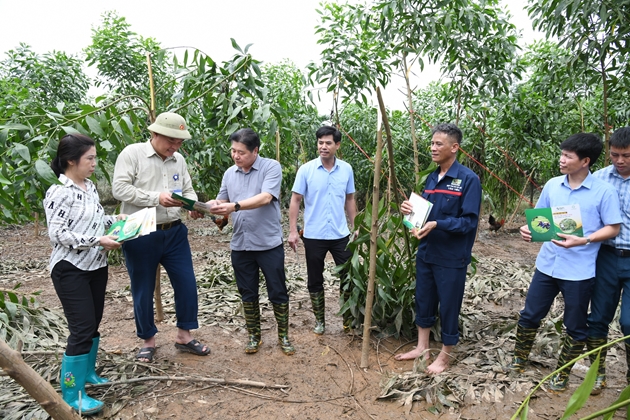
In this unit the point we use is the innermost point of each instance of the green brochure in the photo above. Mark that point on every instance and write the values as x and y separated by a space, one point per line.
192 205
545 223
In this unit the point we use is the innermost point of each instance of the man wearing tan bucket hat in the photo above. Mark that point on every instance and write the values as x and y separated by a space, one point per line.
145 175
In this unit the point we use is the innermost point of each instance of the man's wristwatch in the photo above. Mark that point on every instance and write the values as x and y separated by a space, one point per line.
237 206
588 240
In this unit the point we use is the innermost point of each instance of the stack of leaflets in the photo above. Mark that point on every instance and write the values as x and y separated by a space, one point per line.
545 223
192 205
421 209
137 224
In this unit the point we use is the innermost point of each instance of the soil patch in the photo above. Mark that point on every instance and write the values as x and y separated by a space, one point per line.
323 379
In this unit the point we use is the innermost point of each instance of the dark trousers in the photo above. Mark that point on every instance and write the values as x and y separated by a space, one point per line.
443 288
315 251
142 256
612 276
82 295
544 289
246 266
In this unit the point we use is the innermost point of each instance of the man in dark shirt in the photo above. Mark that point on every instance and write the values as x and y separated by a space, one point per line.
446 245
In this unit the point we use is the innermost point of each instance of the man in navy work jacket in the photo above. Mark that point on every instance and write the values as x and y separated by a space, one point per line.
446 242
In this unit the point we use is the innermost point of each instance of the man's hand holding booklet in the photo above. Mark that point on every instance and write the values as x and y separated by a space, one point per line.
421 209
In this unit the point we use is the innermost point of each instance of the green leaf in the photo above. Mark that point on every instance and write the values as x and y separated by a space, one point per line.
23 151
46 172
581 394
95 127
235 45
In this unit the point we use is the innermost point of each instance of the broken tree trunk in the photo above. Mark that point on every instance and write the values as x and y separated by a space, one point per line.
12 363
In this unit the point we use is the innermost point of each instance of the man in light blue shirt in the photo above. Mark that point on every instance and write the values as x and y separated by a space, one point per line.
567 265
613 262
327 186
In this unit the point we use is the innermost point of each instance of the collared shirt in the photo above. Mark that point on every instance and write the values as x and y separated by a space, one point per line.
456 199
256 229
140 175
599 206
76 221
324 195
611 175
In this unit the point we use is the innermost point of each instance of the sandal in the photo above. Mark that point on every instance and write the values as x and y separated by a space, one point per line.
146 353
194 347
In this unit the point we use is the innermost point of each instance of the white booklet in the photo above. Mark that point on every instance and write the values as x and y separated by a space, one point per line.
421 209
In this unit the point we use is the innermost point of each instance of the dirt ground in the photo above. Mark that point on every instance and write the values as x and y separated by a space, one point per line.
323 378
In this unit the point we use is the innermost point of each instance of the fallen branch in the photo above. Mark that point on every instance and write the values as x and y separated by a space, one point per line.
241 382
12 363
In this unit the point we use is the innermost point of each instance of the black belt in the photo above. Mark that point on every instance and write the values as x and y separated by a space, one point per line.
618 252
167 226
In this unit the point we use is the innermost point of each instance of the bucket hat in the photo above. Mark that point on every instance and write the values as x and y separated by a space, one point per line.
170 125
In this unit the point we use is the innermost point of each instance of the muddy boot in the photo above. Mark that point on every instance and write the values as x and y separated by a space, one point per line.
570 350
522 347
252 321
319 309
92 377
281 311
600 380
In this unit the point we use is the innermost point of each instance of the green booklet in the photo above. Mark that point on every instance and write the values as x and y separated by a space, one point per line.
192 205
546 223
137 224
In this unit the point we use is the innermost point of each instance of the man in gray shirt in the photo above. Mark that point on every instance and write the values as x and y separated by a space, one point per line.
250 190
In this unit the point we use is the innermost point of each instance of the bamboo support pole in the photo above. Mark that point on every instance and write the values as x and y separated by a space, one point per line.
367 323
157 293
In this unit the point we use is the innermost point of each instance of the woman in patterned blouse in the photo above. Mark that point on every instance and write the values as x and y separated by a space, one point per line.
78 263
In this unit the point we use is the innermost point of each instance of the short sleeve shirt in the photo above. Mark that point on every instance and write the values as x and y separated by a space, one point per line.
610 175
324 195
256 229
599 206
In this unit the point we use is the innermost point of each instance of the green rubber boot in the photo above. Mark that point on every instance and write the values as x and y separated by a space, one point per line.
252 320
281 311
570 350
73 374
92 377
600 381
522 347
319 309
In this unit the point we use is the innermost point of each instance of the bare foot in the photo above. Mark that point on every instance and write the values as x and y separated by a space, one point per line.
413 354
439 365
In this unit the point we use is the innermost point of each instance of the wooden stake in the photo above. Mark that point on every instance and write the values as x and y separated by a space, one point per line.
369 301
157 296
